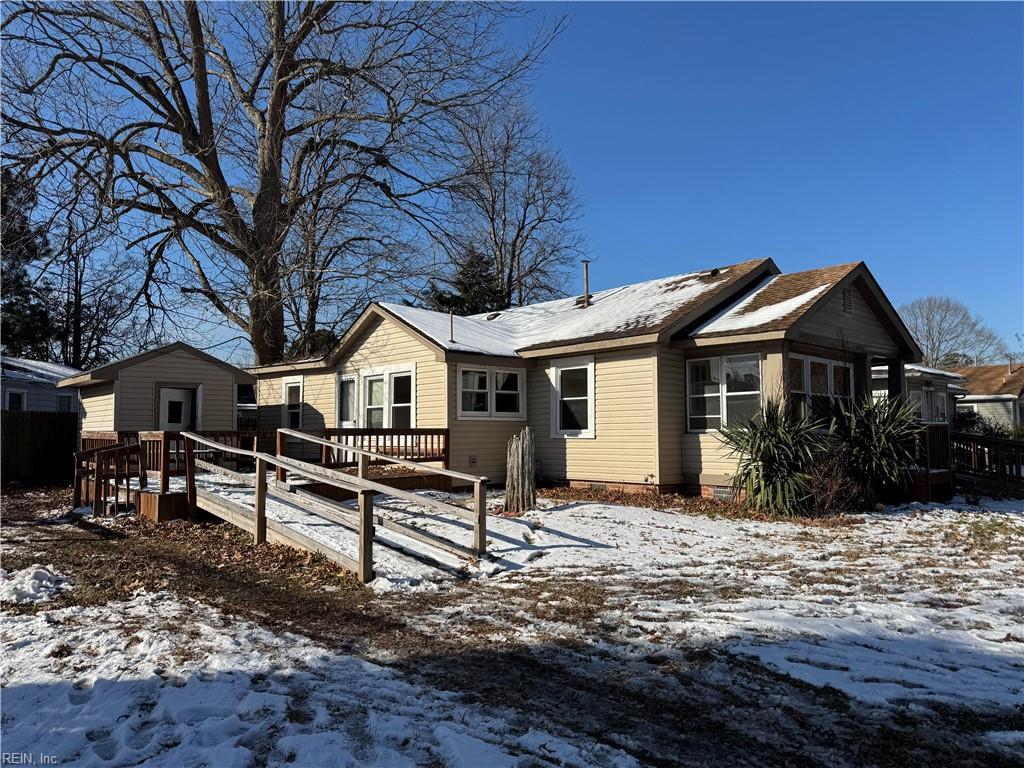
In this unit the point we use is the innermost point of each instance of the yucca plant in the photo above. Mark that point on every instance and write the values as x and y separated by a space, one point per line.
775 449
876 443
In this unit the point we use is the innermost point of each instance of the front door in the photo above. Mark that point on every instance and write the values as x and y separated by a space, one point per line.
176 408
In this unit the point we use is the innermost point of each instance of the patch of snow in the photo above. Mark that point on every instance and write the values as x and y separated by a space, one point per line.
34 584
179 683
632 307
738 318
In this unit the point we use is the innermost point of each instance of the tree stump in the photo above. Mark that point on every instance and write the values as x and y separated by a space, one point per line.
520 484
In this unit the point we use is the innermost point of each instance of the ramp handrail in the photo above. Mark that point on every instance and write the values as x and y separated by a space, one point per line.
479 513
263 460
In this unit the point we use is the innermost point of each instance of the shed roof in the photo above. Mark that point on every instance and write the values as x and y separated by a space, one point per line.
1003 379
109 371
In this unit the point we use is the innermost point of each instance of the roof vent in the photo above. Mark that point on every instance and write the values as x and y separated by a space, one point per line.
493 315
848 301
715 272
584 300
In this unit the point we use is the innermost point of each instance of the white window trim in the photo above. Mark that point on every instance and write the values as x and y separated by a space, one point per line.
830 364
385 371
352 424
723 396
285 383
554 371
24 398
492 390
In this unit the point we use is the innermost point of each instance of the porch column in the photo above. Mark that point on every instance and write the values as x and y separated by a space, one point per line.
895 375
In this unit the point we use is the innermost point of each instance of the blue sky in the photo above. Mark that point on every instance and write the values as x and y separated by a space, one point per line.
702 134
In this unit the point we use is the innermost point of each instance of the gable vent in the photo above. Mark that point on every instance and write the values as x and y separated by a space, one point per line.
848 300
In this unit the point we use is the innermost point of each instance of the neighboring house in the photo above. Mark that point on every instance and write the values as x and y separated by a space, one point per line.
995 391
31 385
933 391
174 387
627 387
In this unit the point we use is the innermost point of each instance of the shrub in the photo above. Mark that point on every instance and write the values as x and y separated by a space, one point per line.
978 424
876 442
775 449
832 490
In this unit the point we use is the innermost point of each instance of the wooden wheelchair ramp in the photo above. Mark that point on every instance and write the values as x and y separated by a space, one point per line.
381 531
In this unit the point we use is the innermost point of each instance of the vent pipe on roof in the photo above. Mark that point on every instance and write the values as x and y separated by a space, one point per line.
451 327
586 282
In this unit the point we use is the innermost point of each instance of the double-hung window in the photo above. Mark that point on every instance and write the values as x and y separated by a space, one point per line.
373 397
491 393
292 403
573 398
813 384
722 390
401 400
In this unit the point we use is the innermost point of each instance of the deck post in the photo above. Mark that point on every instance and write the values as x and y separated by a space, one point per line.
260 529
190 476
99 495
165 460
282 446
363 466
76 491
365 536
142 465
480 524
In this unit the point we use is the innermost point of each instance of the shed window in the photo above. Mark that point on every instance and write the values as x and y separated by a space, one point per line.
64 403
174 411
714 399
15 400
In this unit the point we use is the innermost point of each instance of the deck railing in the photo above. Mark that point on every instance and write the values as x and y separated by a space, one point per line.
933 448
418 445
97 468
990 457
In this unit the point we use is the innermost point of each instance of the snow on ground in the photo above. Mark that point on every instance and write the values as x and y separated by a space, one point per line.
31 585
157 681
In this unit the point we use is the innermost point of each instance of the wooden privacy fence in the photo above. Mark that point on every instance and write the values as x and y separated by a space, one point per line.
419 445
36 446
989 457
365 457
97 468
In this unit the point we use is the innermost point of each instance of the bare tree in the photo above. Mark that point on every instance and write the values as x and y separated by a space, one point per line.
214 128
949 334
517 203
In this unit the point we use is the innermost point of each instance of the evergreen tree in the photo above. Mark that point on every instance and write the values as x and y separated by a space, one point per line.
475 288
26 327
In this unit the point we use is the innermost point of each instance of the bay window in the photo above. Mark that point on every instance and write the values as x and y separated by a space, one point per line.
813 384
722 390
491 393
572 411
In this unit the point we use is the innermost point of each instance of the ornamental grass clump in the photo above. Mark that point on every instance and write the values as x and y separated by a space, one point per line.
775 451
876 444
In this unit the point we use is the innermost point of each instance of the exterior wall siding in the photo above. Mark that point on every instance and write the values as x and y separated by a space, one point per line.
138 385
625 444
852 331
671 415
998 410
98 408
38 396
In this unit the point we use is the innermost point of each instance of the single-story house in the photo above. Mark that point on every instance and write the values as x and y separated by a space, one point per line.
933 391
627 387
174 387
995 391
31 385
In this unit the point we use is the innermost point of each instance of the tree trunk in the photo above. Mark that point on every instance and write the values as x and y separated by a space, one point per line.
266 312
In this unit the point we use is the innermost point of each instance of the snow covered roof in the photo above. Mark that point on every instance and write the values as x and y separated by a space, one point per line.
630 310
776 304
34 371
913 369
